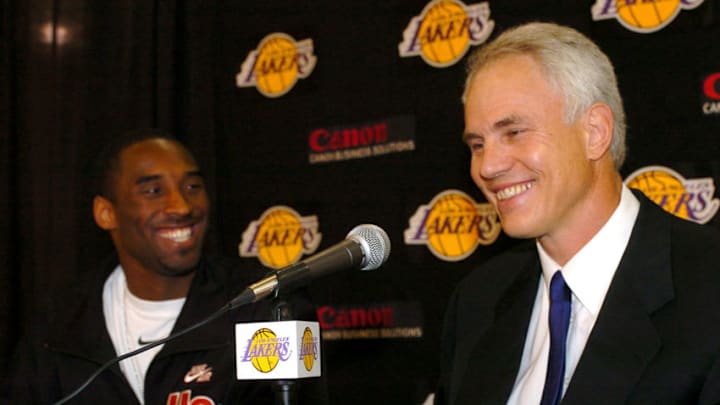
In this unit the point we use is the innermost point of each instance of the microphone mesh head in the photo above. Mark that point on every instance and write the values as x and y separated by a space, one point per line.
375 245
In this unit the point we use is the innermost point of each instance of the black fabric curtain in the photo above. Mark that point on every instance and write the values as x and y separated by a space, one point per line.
76 73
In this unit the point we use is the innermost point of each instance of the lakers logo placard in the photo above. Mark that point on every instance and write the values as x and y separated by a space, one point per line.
691 199
644 16
453 225
280 237
445 30
277 64
309 349
265 350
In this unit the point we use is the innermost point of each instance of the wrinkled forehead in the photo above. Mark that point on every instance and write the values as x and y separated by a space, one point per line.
155 157
507 76
156 151
508 59
513 77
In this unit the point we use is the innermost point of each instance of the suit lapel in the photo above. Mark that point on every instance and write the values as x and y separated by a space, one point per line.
624 340
494 361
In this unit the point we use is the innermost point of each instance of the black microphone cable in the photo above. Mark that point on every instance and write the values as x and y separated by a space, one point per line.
246 297
374 248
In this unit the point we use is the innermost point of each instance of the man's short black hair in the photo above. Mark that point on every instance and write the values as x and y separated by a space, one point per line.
106 166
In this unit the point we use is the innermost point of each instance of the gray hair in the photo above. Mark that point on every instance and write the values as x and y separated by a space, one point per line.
573 65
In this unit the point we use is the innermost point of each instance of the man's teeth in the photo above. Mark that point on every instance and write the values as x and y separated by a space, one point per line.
512 191
177 235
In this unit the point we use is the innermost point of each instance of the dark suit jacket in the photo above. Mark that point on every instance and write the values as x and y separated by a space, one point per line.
656 339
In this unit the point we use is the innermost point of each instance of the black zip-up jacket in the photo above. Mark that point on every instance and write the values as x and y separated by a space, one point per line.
74 343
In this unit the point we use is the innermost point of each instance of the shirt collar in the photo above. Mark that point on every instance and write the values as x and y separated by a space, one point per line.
590 271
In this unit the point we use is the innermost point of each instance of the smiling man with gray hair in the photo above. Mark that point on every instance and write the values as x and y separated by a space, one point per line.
611 300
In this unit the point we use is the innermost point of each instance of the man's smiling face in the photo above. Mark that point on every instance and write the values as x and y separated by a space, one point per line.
160 208
528 161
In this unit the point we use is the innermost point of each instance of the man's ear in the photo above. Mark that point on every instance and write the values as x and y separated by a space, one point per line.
104 213
599 124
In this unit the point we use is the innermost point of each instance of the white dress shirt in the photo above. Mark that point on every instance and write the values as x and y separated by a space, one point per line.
588 275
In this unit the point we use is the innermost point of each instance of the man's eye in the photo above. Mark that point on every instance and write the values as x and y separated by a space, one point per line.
475 146
196 186
152 191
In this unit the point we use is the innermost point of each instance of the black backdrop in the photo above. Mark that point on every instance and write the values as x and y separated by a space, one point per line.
75 73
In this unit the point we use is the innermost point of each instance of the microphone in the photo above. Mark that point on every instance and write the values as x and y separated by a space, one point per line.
365 247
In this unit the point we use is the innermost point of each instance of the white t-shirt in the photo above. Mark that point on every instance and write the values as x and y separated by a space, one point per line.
133 322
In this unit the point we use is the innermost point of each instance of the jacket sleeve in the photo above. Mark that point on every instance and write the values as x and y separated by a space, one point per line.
710 393
447 350
29 377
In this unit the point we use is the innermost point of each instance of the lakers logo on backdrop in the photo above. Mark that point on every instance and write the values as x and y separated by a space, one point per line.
277 64
690 199
445 30
280 237
453 225
642 16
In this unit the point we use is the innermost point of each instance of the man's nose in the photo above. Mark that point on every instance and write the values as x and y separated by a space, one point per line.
493 161
178 203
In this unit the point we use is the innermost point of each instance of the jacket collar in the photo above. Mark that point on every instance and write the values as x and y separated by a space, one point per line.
206 297
494 361
79 327
624 340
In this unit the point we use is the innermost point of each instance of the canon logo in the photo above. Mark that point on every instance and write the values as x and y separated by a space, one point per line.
711 86
348 318
322 139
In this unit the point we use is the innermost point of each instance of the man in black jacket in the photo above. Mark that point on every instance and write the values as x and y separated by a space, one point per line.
611 300
153 203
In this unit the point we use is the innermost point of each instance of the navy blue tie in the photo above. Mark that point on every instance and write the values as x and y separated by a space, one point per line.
559 321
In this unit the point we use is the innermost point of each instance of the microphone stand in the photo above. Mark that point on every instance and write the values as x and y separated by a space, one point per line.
284 389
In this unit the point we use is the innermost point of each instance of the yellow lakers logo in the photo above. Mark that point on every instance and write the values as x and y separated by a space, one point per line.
277 64
642 16
445 30
453 225
265 350
308 349
280 237
690 199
